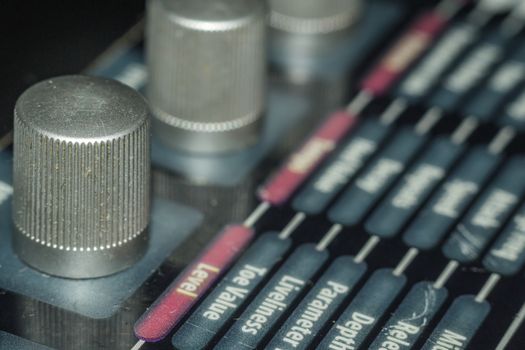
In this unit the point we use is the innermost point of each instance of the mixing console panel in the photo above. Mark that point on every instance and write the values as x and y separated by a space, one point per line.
279 217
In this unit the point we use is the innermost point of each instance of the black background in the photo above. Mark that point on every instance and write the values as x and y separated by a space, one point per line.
41 39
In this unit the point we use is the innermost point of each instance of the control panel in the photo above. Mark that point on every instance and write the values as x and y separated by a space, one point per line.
246 174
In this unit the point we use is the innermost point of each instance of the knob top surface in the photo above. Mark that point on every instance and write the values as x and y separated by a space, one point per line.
81 108
214 15
311 8
313 16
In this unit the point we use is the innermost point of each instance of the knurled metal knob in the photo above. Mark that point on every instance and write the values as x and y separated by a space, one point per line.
306 31
207 69
81 176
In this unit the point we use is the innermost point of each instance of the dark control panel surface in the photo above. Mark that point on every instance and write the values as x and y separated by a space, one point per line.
377 202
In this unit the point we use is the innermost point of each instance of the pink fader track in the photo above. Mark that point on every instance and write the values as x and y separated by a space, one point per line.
406 50
303 162
169 309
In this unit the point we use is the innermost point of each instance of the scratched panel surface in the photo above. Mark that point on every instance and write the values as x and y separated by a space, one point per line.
12 342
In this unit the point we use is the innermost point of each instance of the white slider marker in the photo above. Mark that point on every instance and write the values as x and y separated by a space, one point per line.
138 345
328 238
405 261
513 328
487 288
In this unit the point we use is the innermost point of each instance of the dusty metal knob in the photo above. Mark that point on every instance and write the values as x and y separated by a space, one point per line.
81 176
206 62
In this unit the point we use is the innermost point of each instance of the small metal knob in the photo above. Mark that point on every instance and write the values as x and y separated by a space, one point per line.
306 31
81 176
207 68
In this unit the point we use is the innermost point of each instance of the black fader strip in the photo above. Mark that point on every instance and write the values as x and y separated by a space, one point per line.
414 189
486 101
376 178
411 318
275 299
214 313
514 113
451 199
471 71
368 307
489 213
459 325
316 309
341 168
507 254
441 57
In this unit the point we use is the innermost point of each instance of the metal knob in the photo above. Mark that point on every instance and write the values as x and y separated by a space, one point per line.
207 67
305 31
81 176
